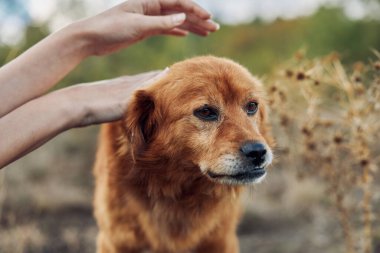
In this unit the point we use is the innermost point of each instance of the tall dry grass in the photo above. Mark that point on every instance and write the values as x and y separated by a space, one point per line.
326 119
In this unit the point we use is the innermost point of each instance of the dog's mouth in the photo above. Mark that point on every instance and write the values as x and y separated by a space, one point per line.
246 177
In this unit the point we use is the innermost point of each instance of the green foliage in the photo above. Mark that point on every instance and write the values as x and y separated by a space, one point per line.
258 46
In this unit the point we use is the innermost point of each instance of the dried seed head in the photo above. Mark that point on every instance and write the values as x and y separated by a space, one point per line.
359 90
359 67
285 151
306 131
364 162
301 76
325 123
339 197
284 120
273 89
328 159
289 73
300 176
334 56
338 139
358 79
282 96
311 146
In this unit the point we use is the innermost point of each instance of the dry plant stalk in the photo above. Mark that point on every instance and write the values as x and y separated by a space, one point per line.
327 122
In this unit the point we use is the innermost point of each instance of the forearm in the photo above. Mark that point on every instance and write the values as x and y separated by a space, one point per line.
38 69
34 123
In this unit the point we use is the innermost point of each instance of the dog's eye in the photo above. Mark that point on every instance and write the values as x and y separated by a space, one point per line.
207 113
251 108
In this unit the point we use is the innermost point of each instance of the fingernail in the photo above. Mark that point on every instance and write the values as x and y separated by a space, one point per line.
157 77
178 18
209 14
163 73
217 26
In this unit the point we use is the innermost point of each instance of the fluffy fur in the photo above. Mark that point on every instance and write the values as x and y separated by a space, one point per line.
154 192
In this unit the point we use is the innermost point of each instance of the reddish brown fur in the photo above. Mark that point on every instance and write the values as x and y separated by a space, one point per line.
150 191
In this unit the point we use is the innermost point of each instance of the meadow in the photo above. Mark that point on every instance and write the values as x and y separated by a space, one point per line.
322 194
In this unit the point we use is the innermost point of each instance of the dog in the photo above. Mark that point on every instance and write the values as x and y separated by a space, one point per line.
169 174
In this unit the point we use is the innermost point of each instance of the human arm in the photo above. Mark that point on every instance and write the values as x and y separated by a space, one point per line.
38 69
39 120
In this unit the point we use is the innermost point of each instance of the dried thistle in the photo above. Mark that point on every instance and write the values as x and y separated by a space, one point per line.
335 132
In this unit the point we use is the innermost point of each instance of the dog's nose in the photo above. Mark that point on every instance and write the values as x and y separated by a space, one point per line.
255 152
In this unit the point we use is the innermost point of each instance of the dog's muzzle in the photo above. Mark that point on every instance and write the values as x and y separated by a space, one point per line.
246 168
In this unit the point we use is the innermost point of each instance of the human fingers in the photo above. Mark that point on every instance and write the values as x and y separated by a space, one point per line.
143 79
186 6
195 24
184 24
176 32
156 77
160 16
107 100
161 24
192 23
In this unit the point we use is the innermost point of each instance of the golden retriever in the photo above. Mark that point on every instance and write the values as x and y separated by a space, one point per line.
169 175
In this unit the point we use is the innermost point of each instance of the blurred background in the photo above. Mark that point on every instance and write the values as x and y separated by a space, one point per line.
320 63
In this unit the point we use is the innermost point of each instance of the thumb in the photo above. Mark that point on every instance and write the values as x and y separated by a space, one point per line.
164 23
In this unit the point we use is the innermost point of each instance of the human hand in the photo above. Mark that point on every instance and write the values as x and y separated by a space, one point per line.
75 106
135 20
104 101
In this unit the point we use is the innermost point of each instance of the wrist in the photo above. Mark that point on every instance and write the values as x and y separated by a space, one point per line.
78 105
70 111
87 34
78 38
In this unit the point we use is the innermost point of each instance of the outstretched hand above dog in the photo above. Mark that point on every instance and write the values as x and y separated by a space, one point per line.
135 20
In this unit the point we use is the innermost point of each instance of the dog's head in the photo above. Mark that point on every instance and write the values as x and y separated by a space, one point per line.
208 112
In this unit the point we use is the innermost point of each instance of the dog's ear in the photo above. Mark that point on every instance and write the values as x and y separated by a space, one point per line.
141 121
265 128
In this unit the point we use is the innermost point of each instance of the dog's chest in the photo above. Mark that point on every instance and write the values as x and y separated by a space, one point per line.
181 225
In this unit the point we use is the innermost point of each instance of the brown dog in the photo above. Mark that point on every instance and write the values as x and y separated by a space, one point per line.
169 175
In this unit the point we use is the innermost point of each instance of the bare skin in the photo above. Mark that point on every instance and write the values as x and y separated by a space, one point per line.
29 117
